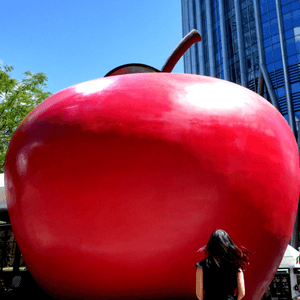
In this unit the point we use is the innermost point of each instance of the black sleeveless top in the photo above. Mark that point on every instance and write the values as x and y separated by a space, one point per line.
219 282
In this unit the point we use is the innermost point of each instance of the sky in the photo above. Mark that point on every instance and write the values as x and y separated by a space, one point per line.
73 41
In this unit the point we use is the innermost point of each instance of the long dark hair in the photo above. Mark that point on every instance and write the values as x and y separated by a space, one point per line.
221 249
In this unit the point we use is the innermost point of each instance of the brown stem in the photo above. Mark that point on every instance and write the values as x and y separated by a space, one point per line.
190 39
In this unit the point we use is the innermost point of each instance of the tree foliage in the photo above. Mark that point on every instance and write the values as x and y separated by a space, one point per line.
17 99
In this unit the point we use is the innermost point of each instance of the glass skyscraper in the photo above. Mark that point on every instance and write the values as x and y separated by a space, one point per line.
255 43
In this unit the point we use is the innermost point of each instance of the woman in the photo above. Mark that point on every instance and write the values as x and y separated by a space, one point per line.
221 273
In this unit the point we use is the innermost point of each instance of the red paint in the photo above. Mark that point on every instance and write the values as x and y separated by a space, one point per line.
114 184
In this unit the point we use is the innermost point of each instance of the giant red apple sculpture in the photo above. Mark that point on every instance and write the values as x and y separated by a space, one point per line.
113 185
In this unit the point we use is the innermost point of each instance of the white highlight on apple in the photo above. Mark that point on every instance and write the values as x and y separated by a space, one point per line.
94 86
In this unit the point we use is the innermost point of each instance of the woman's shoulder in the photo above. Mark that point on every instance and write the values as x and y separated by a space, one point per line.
201 263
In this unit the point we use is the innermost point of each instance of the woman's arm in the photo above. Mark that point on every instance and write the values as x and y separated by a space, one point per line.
241 285
199 283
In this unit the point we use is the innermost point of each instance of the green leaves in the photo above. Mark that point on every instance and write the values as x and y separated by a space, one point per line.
17 100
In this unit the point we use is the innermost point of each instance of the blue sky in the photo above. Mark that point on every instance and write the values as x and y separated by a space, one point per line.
73 41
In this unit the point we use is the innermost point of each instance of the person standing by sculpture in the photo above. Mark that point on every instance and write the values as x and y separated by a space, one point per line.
220 274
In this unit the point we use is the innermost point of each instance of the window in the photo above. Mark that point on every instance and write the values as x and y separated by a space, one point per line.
286 8
290 47
250 13
274 26
289 33
235 47
271 5
292 60
272 15
248 51
269 55
253 36
267 42
270 67
247 39
295 87
287 21
249 63
297 31
243 4
252 24
275 39
276 51
280 91
278 64
297 40
254 48
296 17
264 18
245 17
266 30
255 59
263 6
295 5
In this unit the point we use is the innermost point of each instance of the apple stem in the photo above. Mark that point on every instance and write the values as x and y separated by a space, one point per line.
190 39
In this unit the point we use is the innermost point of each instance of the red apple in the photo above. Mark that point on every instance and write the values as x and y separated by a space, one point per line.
114 184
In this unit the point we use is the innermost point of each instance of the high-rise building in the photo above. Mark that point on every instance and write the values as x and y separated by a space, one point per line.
255 43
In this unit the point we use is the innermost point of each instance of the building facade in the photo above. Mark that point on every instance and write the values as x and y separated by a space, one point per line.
254 43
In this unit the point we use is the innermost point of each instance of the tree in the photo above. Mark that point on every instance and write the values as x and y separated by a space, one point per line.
17 99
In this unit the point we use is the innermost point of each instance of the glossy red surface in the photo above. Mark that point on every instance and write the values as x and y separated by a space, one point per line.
114 184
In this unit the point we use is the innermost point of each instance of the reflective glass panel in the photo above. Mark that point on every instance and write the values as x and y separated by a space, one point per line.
247 39
295 5
269 55
253 36
281 91
264 18
287 21
271 5
274 26
276 51
245 17
296 17
243 4
251 12
270 67
272 14
290 46
297 39
252 24
263 6
278 64
295 87
286 8
248 51
275 39
297 30
267 42
289 33
266 30
292 60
